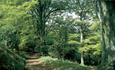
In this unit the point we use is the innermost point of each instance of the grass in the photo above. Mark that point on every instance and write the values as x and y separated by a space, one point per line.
48 63
105 66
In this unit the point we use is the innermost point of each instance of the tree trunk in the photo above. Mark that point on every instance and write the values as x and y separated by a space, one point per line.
111 21
81 41
82 60
109 14
104 30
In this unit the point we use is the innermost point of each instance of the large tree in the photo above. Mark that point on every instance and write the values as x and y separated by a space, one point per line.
42 12
107 12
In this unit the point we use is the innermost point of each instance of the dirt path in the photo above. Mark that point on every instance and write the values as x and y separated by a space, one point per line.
35 64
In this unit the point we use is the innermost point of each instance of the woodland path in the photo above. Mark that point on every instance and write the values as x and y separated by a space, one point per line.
33 63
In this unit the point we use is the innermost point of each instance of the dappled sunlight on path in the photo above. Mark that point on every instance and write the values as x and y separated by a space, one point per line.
48 63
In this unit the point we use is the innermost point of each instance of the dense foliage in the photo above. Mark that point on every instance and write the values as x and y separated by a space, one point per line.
75 30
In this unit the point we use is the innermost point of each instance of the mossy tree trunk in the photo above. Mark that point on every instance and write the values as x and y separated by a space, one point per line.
111 24
108 14
103 28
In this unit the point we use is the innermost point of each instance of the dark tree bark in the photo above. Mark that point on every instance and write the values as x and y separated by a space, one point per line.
108 9
111 22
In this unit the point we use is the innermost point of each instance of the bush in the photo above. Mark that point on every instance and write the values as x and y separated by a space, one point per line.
10 60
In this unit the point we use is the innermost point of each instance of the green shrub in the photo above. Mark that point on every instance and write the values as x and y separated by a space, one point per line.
10 60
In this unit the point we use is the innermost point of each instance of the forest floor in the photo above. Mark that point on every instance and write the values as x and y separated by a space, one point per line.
48 63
